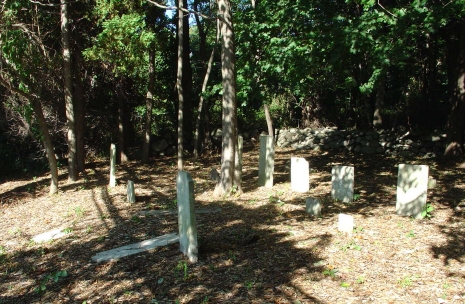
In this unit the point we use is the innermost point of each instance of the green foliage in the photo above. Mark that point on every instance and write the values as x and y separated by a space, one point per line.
53 277
426 213
181 267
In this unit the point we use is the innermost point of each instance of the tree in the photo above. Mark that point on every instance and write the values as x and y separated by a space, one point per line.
229 114
68 93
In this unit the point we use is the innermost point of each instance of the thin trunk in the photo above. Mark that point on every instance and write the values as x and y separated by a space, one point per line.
187 81
122 124
148 107
179 86
456 123
269 122
200 108
379 102
79 113
52 161
68 88
229 116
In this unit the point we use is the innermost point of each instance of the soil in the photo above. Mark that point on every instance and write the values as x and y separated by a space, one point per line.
262 247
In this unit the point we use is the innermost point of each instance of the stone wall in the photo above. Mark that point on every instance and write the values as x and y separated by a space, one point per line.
401 142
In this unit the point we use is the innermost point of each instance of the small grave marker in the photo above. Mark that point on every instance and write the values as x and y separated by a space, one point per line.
300 174
266 161
113 165
131 192
313 206
49 235
412 185
342 183
186 216
345 223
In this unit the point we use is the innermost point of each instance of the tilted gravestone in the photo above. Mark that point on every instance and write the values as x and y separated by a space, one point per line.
186 216
313 206
266 161
345 223
342 183
299 174
412 185
238 161
131 192
112 165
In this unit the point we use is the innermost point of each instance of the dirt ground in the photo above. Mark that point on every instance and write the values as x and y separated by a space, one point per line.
261 248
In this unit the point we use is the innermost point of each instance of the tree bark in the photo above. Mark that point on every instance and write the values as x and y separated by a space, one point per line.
456 123
269 123
179 86
52 161
148 107
68 89
122 124
229 116
188 123
79 105
379 102
204 87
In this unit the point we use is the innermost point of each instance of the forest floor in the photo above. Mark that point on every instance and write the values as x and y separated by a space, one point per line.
261 248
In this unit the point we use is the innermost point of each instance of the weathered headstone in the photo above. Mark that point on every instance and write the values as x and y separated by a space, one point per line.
266 161
112 165
131 192
412 185
49 235
342 183
186 216
300 174
313 206
345 223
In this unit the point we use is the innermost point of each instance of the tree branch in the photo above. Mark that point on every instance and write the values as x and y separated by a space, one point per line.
386 10
182 9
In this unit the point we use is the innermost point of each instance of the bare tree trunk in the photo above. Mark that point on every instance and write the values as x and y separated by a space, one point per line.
52 161
179 86
379 102
148 107
79 103
68 89
188 123
229 116
200 108
122 124
456 123
269 123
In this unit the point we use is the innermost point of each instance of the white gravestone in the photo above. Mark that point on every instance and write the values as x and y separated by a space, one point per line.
342 183
345 223
186 216
412 185
300 174
112 165
313 206
131 192
266 161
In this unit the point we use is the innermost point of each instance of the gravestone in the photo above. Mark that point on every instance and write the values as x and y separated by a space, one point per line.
131 192
186 216
345 223
299 174
112 165
412 185
313 206
342 183
266 161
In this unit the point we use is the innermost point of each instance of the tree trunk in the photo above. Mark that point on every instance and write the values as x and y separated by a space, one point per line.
52 161
379 102
456 123
79 104
188 123
68 89
122 124
229 116
148 107
179 86
200 108
269 123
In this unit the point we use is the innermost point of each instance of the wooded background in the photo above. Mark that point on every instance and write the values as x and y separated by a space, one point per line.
76 76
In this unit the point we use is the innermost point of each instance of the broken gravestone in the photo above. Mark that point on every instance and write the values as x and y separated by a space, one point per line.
266 161
112 165
345 223
131 194
313 206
